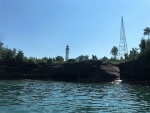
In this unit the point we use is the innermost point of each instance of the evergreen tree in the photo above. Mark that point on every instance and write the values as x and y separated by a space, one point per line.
114 51
147 32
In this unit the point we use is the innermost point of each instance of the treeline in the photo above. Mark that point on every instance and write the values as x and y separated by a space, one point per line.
141 53
8 55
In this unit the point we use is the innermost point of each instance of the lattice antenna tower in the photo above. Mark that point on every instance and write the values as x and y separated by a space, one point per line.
123 44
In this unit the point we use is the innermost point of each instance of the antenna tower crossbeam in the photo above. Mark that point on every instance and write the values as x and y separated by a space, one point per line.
123 44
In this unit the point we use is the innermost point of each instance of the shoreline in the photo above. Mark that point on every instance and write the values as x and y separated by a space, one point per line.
84 72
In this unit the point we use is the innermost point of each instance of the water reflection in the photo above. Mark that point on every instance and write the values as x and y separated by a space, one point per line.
48 96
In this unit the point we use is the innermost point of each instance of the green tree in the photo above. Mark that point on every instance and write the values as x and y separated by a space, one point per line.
20 56
8 55
105 59
25 59
44 60
39 61
148 44
86 57
145 48
94 57
147 52
126 56
114 51
59 59
1 49
71 61
142 45
148 49
133 54
32 60
82 58
147 32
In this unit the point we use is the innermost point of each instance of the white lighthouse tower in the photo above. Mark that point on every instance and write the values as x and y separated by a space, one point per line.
67 52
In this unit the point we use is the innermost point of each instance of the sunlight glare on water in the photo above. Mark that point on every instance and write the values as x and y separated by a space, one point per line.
35 96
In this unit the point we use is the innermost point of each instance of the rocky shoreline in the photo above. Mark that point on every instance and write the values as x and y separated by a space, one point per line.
134 72
87 71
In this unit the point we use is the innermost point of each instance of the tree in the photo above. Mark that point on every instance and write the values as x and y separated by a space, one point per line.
126 56
32 60
71 61
148 44
105 59
114 51
148 49
25 59
94 57
1 49
147 32
20 56
44 60
8 55
143 45
59 59
82 58
133 54
86 57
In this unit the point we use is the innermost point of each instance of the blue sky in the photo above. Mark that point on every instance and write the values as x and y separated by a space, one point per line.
90 27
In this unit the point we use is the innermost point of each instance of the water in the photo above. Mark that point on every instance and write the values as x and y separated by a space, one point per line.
34 96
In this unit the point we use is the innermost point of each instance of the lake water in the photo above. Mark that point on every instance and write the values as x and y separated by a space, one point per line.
35 96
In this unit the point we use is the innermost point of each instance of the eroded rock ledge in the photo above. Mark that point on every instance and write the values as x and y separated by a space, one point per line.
87 71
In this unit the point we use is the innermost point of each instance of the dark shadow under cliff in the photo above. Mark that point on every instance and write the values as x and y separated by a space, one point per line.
136 71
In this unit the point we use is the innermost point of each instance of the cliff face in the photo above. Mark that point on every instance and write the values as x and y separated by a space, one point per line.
21 71
88 71
138 70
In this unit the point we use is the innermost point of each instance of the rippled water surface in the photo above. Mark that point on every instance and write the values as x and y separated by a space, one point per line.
33 96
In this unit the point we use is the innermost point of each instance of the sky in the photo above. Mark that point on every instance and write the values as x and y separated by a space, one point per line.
90 27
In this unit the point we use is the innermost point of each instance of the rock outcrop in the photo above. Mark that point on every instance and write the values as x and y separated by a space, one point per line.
88 71
138 70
